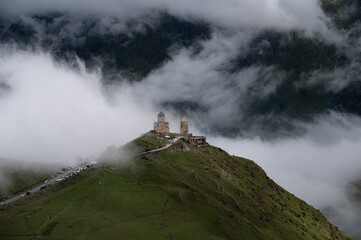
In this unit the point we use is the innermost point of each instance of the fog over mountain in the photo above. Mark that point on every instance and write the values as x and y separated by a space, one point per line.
275 81
234 13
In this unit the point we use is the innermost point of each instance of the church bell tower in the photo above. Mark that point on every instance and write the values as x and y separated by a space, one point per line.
184 126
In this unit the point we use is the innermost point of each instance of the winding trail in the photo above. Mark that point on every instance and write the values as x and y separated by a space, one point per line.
162 148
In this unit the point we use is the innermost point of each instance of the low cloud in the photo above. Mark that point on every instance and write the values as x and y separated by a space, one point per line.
53 113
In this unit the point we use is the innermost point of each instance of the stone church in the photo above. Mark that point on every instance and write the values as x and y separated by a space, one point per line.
161 126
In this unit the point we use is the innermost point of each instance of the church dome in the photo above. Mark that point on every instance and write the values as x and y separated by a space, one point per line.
161 114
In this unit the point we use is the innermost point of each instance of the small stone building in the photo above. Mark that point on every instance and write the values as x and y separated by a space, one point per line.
184 126
161 126
198 141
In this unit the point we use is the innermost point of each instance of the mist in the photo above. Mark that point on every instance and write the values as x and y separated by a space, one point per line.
51 112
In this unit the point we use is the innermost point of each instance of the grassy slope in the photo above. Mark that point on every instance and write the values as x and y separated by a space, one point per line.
146 142
180 193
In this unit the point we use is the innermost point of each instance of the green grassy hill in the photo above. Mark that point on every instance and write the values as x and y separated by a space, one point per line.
180 193
144 143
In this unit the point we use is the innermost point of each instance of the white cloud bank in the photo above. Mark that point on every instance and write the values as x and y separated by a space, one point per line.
50 113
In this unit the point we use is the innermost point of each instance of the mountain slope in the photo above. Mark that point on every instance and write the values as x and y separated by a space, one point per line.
134 47
180 193
346 13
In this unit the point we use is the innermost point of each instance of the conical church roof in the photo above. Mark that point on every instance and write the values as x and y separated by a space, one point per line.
184 119
161 114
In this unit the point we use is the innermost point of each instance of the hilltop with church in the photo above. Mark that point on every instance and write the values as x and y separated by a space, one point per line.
162 127
196 192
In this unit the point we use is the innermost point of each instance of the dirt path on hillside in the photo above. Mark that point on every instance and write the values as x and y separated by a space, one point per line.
131 176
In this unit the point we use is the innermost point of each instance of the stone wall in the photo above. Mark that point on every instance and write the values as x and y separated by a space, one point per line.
162 127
